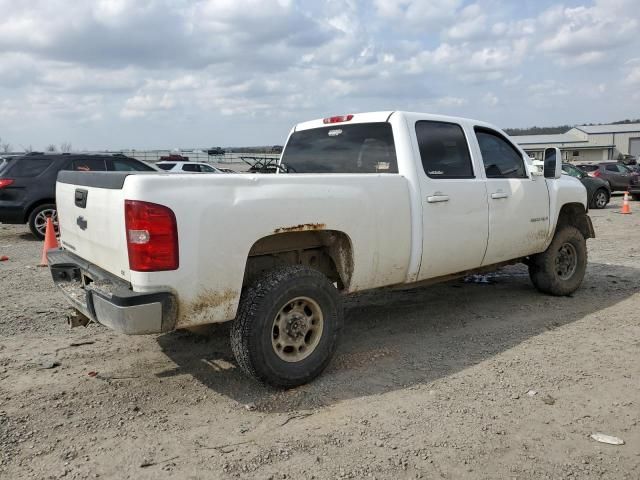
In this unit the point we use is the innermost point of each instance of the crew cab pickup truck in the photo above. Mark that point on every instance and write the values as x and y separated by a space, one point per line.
364 201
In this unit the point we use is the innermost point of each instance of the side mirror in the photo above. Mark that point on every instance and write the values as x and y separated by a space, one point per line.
552 163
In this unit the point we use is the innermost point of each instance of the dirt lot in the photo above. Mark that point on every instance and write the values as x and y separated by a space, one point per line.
428 383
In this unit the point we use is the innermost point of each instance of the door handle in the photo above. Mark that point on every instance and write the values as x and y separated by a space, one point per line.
498 195
438 198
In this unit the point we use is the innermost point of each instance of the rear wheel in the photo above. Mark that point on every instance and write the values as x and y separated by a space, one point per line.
600 198
38 219
560 269
287 326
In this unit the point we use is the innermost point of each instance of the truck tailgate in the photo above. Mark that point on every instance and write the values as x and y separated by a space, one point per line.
91 217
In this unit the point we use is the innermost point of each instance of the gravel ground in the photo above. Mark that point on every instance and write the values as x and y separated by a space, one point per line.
459 380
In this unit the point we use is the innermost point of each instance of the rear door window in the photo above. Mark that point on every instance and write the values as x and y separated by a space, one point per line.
342 148
89 165
128 165
190 167
165 166
443 150
29 166
612 168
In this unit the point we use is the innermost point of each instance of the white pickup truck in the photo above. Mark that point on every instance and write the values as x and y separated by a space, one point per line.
372 200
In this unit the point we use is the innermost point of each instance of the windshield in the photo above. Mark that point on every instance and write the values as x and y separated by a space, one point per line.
357 148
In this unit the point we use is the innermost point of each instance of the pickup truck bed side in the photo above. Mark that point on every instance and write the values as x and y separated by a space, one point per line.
217 232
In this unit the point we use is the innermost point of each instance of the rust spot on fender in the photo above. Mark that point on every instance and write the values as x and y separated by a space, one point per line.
209 306
304 227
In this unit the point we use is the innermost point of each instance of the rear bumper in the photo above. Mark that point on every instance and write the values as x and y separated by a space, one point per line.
109 300
11 213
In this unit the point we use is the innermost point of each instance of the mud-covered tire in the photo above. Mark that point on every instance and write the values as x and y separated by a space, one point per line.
37 219
600 199
252 332
549 271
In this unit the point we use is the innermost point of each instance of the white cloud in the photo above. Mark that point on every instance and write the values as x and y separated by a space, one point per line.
633 77
451 102
127 71
422 14
471 23
490 99
143 105
586 30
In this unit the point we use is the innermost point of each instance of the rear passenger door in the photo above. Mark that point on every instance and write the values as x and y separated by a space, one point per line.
518 201
454 201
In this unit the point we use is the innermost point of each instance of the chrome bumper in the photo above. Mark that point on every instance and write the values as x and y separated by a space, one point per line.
109 300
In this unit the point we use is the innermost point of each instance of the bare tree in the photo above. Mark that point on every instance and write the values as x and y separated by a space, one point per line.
27 148
5 147
51 148
65 147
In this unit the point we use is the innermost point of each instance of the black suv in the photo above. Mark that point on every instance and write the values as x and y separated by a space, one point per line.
28 183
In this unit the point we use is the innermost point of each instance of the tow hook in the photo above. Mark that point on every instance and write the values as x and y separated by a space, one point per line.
77 319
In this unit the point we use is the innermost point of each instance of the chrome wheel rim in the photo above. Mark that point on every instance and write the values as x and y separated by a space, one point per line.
40 221
297 329
566 261
601 199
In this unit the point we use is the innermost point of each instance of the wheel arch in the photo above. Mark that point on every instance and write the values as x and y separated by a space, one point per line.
575 214
328 251
35 205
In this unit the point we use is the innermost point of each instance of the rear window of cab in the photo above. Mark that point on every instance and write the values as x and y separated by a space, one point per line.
355 148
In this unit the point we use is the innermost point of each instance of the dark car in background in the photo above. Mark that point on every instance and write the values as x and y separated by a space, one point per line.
28 183
598 191
618 176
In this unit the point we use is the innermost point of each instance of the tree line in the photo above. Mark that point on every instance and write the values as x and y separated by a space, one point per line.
561 128
64 147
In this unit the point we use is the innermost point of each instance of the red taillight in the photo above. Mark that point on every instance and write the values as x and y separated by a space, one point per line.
596 173
5 182
152 236
337 119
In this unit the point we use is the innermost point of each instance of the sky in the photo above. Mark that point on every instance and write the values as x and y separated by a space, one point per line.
111 74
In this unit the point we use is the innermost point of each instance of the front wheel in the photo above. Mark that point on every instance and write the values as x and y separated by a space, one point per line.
287 326
38 219
560 269
600 199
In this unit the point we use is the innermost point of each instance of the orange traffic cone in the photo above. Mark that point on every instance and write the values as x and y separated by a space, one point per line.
626 209
50 241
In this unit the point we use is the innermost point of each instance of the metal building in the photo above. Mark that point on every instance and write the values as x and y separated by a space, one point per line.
587 143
